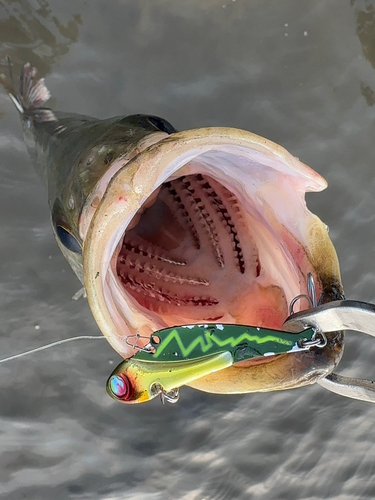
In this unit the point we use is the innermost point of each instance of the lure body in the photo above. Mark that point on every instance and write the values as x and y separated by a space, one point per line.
180 355
190 342
139 381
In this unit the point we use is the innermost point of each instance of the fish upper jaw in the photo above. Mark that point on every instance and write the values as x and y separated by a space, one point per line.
204 225
95 197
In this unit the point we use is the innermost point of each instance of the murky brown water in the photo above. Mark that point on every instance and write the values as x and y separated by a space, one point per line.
299 73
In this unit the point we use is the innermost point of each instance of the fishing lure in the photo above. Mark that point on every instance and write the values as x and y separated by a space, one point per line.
179 355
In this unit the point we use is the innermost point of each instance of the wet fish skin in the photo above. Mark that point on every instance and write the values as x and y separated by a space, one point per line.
71 152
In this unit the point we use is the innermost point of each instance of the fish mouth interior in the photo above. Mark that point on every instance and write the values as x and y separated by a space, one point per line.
209 245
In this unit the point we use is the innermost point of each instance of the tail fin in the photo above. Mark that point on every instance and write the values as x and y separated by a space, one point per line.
31 95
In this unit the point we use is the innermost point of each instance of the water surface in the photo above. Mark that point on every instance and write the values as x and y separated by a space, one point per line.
299 73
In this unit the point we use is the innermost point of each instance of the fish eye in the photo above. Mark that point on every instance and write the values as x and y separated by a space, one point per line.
62 228
161 124
120 387
68 240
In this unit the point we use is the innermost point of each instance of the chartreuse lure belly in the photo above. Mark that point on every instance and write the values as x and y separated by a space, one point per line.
179 355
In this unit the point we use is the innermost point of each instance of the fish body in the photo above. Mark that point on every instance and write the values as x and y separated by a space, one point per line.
169 228
72 153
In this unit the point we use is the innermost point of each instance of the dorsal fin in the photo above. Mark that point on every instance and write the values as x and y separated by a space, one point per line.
31 95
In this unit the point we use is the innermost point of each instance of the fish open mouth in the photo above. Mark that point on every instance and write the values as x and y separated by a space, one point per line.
208 225
194 252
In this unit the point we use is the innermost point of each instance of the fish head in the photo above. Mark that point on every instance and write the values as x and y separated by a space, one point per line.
173 228
210 225
101 148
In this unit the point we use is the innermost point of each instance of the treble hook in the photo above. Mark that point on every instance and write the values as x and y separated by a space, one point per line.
310 296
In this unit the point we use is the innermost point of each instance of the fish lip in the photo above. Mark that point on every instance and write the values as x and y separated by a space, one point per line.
286 371
112 218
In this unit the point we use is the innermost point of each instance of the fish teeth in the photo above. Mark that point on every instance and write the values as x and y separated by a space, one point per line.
174 196
200 219
153 291
147 289
136 245
129 262
175 278
204 218
224 216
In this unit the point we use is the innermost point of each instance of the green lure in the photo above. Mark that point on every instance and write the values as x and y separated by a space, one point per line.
181 343
176 356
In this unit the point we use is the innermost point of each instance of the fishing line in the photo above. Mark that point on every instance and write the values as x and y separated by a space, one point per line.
53 344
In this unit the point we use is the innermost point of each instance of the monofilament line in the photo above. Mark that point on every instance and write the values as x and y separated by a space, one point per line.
53 344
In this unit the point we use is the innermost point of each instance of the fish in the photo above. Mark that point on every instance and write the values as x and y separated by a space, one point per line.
166 227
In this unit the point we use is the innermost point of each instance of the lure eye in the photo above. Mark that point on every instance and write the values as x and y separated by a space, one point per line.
161 124
120 387
68 240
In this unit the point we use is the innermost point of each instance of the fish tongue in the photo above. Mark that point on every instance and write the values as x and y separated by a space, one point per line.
190 257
